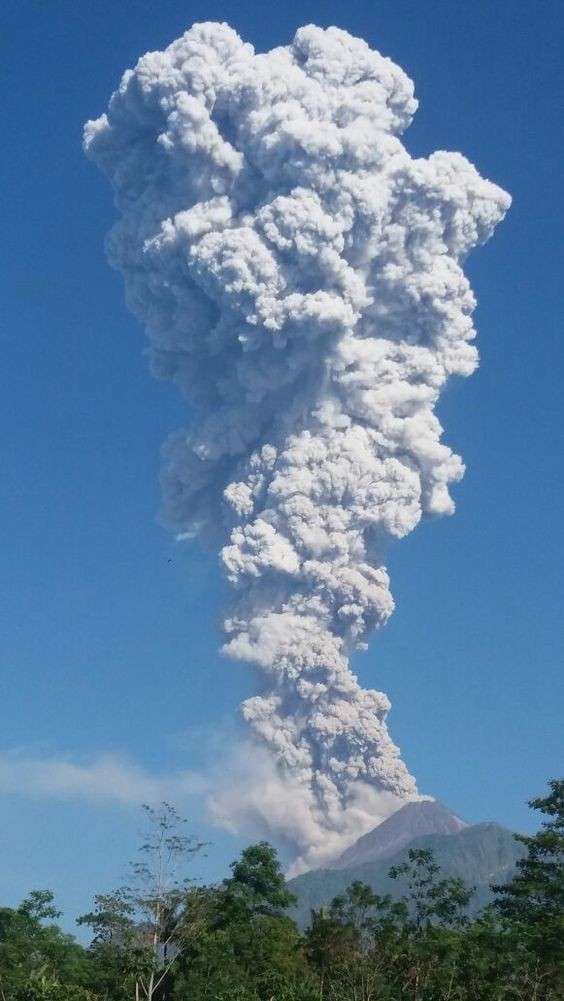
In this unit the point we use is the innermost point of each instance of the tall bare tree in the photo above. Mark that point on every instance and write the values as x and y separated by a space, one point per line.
143 920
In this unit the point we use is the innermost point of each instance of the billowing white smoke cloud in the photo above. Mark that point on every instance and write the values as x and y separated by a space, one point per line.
299 277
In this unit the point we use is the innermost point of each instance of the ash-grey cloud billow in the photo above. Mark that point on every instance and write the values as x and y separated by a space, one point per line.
299 277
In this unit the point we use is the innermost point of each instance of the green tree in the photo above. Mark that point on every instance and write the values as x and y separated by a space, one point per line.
265 942
257 885
533 901
346 943
329 942
431 900
117 953
32 946
49 989
242 942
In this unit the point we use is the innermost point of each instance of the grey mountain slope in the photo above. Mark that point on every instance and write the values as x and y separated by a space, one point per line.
414 820
480 854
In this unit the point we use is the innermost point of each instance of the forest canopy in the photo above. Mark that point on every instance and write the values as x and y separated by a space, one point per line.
165 937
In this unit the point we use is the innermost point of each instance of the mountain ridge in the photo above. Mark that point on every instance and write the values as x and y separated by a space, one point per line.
412 820
481 854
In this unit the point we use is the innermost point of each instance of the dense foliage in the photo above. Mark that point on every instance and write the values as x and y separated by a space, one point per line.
171 940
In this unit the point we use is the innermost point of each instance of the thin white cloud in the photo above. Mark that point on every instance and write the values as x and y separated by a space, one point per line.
107 778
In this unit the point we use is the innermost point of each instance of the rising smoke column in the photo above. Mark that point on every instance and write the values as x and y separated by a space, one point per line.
299 277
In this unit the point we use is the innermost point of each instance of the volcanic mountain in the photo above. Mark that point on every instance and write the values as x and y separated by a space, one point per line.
481 854
412 821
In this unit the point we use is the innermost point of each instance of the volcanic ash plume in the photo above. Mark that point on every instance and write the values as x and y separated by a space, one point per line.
299 278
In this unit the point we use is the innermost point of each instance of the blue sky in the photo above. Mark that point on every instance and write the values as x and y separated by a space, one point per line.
109 632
